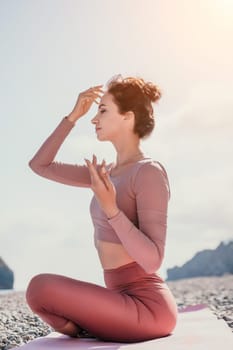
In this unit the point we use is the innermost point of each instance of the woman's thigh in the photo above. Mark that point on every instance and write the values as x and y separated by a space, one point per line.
103 312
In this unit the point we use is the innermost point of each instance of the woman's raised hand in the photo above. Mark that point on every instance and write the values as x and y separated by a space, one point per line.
102 186
84 102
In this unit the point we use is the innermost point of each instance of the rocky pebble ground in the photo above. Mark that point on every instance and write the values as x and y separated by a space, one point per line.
18 325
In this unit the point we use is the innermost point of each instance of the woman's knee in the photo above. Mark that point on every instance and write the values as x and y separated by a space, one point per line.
38 289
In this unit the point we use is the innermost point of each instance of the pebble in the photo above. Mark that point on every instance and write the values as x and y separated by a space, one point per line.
18 325
215 292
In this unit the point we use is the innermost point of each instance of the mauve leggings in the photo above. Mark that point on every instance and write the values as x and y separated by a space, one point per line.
135 306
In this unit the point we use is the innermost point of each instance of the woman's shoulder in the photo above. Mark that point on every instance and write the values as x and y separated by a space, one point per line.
142 169
150 173
149 165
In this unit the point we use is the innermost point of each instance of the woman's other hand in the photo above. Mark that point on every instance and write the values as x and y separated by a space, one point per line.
103 187
84 102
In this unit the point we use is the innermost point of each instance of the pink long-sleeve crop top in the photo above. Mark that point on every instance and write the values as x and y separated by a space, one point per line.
142 194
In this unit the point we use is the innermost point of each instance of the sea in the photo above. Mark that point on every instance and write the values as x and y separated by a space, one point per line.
9 291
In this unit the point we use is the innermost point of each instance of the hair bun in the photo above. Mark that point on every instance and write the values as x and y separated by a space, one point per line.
149 89
152 91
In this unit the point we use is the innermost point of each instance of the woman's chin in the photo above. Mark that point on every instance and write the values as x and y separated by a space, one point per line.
101 138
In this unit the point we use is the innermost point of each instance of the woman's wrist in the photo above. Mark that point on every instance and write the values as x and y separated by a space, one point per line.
72 117
112 213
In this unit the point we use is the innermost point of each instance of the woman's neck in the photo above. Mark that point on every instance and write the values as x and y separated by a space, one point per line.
128 158
128 151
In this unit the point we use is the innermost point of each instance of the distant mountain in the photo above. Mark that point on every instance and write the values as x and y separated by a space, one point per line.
208 262
6 276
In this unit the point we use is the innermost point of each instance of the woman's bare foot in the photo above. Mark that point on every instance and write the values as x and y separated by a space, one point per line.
70 329
85 334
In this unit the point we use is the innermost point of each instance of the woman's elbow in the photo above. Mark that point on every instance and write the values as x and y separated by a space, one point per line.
152 267
35 166
32 165
153 263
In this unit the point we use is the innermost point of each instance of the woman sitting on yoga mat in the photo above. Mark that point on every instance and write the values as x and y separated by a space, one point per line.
129 213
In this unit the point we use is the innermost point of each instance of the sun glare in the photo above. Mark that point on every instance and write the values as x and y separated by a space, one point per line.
224 7
221 12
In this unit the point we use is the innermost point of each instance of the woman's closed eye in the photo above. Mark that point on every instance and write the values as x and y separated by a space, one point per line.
103 110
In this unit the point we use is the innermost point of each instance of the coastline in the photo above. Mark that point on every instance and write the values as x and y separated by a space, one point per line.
18 324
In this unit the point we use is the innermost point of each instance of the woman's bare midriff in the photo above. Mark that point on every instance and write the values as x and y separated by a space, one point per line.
112 255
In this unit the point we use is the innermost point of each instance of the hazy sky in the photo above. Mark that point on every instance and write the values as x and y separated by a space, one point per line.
51 51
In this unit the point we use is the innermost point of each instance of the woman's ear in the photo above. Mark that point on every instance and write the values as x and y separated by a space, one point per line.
128 115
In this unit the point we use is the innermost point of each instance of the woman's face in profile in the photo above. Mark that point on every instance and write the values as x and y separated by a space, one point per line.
108 121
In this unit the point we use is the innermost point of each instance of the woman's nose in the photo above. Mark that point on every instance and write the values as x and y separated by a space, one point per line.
94 120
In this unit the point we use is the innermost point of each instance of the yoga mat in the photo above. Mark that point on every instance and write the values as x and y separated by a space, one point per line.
197 329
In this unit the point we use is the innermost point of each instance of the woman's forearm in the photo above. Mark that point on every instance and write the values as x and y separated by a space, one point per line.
146 251
47 152
43 162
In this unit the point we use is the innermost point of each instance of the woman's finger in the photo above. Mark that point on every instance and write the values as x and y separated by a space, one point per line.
102 167
95 87
109 167
92 95
94 160
93 172
96 92
106 178
104 174
93 91
103 163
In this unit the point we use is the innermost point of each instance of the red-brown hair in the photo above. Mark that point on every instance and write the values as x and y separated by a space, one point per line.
136 95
